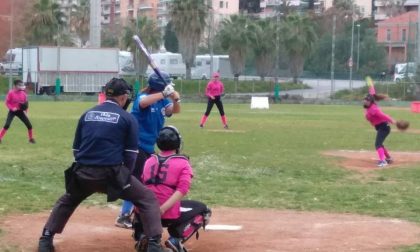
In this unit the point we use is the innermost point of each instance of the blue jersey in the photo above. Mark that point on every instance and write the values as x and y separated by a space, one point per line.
103 134
150 120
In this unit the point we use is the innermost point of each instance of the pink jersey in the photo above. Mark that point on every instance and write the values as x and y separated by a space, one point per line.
14 98
375 116
175 174
214 88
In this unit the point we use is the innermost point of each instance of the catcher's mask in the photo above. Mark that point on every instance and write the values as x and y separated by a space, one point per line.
169 139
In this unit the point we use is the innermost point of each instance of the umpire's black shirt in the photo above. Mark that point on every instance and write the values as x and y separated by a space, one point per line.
103 134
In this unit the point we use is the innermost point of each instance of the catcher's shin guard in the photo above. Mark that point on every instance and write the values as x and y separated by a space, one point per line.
199 221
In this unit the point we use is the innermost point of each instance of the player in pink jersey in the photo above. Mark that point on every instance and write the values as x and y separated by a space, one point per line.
214 91
17 103
169 176
380 121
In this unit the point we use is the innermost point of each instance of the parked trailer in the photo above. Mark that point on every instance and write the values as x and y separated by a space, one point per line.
171 63
82 70
202 69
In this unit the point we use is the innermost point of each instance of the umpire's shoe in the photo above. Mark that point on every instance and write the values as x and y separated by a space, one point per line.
45 244
153 245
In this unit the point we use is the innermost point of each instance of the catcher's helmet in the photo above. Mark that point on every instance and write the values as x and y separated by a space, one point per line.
169 139
156 83
116 87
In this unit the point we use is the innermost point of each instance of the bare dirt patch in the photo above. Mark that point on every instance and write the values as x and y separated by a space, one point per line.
91 229
365 161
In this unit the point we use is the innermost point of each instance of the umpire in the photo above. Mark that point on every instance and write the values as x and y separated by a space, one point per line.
105 151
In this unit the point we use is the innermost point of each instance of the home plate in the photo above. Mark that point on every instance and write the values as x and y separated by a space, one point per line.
224 227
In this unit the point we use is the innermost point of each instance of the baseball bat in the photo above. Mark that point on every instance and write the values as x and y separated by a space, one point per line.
152 64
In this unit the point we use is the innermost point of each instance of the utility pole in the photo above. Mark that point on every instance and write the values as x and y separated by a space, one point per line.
358 46
351 49
333 56
95 24
418 45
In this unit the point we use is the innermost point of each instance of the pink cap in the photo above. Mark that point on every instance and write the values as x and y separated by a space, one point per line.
216 75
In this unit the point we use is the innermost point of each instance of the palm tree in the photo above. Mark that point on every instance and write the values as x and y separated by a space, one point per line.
44 23
188 18
262 35
299 38
234 38
80 20
150 34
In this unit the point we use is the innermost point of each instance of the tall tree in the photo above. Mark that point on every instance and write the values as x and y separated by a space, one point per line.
80 20
263 38
45 23
299 38
170 40
188 18
150 35
234 38
109 38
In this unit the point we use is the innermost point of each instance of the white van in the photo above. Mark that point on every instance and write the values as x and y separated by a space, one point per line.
170 63
12 62
202 68
404 70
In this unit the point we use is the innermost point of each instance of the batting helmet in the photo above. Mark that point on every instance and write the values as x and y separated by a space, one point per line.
156 83
169 139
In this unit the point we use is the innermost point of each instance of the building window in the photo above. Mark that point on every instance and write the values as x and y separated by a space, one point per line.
404 35
173 61
221 4
388 35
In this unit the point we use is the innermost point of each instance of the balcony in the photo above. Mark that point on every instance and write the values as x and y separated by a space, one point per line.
145 7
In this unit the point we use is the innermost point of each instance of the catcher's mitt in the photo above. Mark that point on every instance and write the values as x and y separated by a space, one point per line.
402 124
24 106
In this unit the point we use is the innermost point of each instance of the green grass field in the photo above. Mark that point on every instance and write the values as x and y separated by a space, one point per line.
268 159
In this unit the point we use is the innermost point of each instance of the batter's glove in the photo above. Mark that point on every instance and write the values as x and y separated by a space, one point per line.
169 89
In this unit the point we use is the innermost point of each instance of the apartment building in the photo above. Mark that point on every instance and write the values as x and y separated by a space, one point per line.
269 8
221 9
110 12
382 11
131 9
364 6
398 35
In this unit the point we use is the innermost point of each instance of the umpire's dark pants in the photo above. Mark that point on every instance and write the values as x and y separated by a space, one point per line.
21 115
94 179
382 131
219 104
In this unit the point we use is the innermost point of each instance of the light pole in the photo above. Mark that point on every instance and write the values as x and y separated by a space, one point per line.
333 56
351 49
11 44
358 46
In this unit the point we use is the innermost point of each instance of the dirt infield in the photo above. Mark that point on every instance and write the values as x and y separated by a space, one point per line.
91 229
365 161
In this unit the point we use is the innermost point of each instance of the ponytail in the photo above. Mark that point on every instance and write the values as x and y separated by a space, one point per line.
380 97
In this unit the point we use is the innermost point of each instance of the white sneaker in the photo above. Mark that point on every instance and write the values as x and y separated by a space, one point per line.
124 221
382 163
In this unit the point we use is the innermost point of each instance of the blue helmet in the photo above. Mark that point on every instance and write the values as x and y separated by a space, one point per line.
156 83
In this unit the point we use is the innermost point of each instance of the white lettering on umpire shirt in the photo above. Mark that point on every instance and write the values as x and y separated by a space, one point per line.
99 116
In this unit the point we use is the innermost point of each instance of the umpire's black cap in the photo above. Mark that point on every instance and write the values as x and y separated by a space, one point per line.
116 87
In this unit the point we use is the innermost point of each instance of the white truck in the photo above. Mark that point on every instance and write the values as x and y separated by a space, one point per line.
81 70
404 71
202 67
12 62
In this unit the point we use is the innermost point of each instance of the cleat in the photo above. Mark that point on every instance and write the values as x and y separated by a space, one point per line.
226 126
389 160
124 221
174 244
201 126
32 141
45 244
382 163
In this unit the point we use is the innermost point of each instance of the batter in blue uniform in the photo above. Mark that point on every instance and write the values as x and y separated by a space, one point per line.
105 150
157 101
